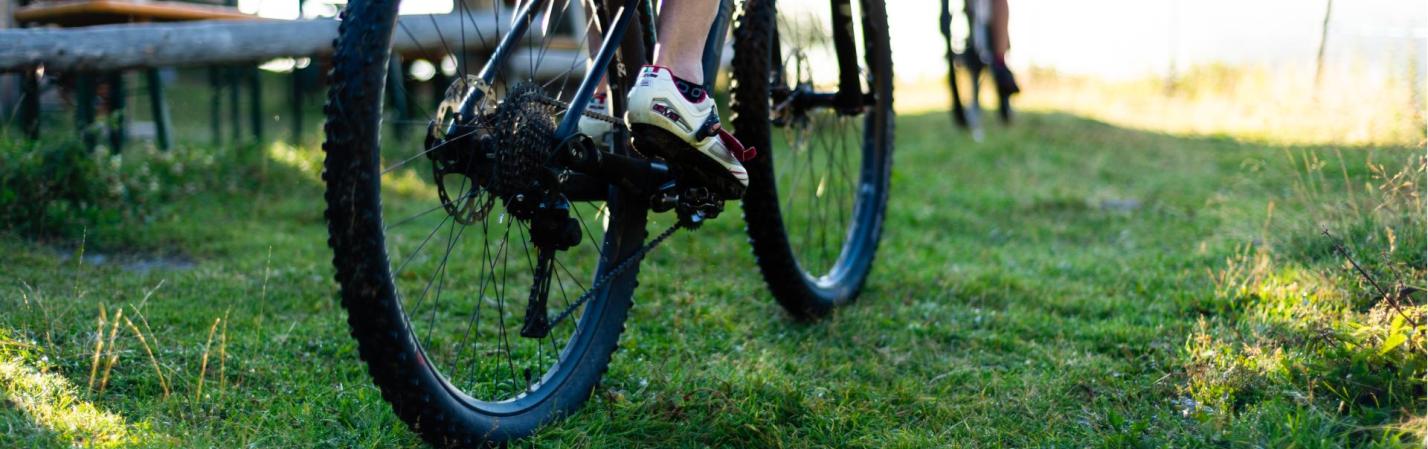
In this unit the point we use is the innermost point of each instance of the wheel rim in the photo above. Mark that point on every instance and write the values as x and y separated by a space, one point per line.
466 317
826 164
463 287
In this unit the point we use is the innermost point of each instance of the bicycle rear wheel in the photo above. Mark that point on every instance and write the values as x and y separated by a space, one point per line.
436 269
818 189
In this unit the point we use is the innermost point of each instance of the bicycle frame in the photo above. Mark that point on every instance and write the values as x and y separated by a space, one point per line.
634 172
569 123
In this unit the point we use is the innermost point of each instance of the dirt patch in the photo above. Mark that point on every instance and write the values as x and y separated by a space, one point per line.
139 263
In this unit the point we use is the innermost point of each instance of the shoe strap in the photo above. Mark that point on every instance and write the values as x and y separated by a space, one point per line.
736 148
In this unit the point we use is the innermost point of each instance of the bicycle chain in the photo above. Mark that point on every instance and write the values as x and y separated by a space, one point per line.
631 261
595 115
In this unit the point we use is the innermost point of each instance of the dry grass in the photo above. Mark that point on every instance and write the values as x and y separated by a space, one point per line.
1264 104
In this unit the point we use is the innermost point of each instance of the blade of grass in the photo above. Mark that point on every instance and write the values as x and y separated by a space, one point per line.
113 354
223 356
152 360
98 348
203 366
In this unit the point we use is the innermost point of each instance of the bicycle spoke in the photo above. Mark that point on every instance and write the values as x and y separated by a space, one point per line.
463 300
440 273
818 176
501 305
401 268
426 151
460 348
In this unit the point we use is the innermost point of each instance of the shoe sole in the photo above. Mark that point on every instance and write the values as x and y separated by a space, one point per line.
655 141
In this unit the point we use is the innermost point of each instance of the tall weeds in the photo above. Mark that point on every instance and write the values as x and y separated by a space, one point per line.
1325 341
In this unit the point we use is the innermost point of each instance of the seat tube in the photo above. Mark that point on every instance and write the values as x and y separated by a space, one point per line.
850 90
569 123
714 44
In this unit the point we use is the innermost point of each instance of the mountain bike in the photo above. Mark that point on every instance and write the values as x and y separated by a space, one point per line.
969 49
488 270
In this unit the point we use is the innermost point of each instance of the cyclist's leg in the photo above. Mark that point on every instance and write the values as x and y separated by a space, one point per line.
593 39
670 107
1001 42
595 128
683 27
1000 37
714 44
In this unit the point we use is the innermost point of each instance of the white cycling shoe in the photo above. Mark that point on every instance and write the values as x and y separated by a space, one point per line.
678 120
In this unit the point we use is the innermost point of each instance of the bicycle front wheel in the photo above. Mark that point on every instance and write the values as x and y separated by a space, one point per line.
818 189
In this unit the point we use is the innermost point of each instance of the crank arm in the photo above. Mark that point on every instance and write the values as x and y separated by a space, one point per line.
636 174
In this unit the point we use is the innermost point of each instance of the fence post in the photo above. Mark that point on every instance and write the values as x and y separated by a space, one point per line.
84 109
117 117
215 105
299 79
10 85
158 108
30 103
235 118
255 101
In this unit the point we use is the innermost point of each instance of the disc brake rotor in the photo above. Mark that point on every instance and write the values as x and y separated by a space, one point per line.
450 167
451 104
786 114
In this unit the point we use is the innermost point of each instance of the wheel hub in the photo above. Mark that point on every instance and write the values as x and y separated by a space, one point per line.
503 151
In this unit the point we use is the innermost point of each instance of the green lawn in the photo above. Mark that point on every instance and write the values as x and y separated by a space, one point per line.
1066 283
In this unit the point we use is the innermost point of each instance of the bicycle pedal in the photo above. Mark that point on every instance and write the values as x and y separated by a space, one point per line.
696 205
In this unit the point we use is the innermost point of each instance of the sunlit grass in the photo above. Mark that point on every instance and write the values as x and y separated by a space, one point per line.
1263 104
53 403
306 160
1307 343
1276 105
409 183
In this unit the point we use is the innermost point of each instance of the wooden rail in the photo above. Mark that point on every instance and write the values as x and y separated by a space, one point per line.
204 43
70 13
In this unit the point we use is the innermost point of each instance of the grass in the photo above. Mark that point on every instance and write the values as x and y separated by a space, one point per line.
1066 283
1352 104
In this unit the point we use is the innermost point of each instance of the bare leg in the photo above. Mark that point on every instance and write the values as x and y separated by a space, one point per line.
1006 83
684 25
1000 38
593 40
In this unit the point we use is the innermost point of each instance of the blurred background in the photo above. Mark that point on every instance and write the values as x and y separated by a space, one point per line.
1213 66
1296 71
